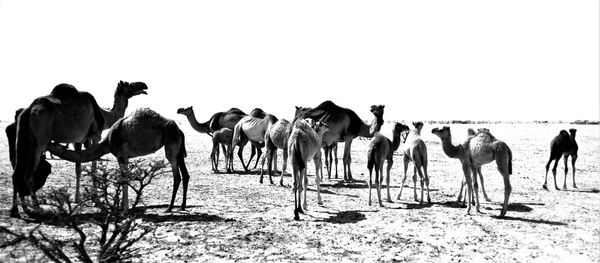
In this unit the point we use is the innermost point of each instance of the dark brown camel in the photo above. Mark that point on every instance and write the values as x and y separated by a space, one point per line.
141 133
563 144
344 125
65 116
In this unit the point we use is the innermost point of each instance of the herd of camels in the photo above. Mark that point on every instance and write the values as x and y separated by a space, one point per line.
67 115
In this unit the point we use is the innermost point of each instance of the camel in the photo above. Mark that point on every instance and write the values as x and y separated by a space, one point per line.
476 151
254 129
66 115
141 133
221 137
44 167
563 144
471 133
344 125
380 150
226 119
276 137
305 144
415 150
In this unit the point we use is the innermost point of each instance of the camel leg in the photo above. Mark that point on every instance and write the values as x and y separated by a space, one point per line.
14 210
229 160
378 181
262 164
318 176
77 147
284 166
241 156
125 187
303 184
418 169
573 159
275 160
467 171
482 184
328 160
213 154
460 193
252 153
217 156
546 178
426 182
186 180
370 168
554 173
269 155
503 169
224 148
335 160
295 188
415 181
566 171
347 159
475 187
404 179
390 162
176 177
258 155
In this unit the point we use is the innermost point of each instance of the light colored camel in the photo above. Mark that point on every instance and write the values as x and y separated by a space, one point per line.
276 137
330 151
64 116
380 150
221 137
478 150
141 133
344 125
563 144
305 144
415 150
471 133
226 119
252 128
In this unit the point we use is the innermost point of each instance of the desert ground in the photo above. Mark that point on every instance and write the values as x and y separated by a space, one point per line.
231 217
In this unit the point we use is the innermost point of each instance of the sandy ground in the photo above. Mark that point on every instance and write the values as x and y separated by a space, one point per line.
231 217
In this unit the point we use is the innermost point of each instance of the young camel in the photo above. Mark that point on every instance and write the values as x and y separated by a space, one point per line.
416 151
141 133
380 150
276 137
478 150
563 144
330 150
221 137
305 144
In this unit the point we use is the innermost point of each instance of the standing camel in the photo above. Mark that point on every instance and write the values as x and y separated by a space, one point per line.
254 129
344 125
305 144
380 150
476 151
221 137
225 119
276 137
416 151
64 116
471 133
563 144
141 133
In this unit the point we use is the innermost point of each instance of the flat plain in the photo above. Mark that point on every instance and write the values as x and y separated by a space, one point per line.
231 217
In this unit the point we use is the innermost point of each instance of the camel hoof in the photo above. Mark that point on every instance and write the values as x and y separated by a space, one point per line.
369 203
381 205
488 200
557 189
182 208
545 187
272 182
389 200
564 187
296 217
428 200
168 210
574 186
260 181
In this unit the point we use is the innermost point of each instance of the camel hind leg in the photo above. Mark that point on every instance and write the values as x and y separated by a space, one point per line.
566 158
390 162
171 155
406 160
573 159
370 164
554 173
185 177
482 184
505 170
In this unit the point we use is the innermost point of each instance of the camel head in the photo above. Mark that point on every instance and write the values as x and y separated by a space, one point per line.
443 133
300 110
186 111
320 128
400 128
377 110
573 132
418 125
131 89
471 132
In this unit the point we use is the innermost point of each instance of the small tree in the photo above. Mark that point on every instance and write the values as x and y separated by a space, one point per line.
98 212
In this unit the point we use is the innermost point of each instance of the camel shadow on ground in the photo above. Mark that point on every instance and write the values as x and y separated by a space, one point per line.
329 192
537 221
587 191
344 217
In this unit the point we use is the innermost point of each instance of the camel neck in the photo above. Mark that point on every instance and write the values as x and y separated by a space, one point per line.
86 155
199 127
119 106
396 141
449 149
370 130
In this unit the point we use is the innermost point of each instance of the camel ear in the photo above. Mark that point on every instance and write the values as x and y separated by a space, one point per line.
121 82
297 107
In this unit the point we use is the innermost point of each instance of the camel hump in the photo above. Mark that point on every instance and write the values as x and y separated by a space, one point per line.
563 133
64 91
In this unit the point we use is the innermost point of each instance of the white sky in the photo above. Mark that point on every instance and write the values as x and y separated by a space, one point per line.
428 60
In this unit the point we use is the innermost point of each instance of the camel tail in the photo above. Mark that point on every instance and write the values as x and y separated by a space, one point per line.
298 156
